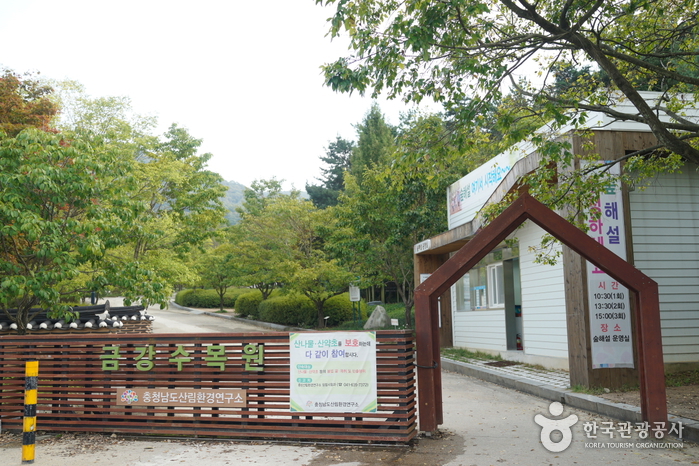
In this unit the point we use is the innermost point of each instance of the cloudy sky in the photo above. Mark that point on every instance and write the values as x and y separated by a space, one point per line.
242 75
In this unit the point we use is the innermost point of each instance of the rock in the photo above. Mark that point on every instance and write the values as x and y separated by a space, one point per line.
379 319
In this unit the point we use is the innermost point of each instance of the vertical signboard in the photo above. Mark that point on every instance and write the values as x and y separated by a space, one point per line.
610 313
333 372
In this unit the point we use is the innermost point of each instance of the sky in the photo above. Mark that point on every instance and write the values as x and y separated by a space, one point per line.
244 76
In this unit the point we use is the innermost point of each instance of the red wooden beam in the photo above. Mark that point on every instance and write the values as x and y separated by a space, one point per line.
647 311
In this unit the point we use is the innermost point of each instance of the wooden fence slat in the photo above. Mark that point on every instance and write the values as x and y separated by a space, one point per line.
76 394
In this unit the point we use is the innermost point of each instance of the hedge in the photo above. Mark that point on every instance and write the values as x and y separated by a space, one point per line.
209 299
339 309
296 310
247 304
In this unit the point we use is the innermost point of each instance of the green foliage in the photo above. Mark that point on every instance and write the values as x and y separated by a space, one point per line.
680 379
463 354
259 195
298 310
209 299
247 304
337 158
290 309
286 242
375 142
463 54
167 176
338 309
216 270
62 220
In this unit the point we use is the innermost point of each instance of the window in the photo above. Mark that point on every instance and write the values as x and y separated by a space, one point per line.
463 294
477 281
496 285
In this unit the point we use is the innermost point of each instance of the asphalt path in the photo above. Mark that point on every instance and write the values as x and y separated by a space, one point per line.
175 320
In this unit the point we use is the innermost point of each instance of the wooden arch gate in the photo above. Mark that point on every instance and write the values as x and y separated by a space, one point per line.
646 311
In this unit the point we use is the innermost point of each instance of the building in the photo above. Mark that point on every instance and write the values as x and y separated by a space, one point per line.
513 306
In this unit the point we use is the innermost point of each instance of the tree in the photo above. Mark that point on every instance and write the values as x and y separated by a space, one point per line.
61 216
382 219
258 249
311 268
260 241
24 103
462 54
285 243
168 176
375 142
183 198
337 158
260 193
215 270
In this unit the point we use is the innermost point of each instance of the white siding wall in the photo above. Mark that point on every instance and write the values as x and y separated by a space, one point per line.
543 299
665 220
480 330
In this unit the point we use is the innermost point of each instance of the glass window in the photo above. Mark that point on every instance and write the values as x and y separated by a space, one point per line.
463 294
496 285
478 283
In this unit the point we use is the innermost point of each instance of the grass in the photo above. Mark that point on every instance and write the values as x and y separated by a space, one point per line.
537 367
680 379
577 388
462 354
675 379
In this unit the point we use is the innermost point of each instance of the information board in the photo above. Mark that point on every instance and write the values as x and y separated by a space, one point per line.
333 372
610 313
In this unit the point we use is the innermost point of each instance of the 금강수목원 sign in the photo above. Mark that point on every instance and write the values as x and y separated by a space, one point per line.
333 372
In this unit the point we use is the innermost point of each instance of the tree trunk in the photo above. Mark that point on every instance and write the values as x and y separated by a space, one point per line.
407 298
321 317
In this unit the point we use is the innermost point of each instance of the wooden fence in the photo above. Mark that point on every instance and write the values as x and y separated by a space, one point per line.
81 378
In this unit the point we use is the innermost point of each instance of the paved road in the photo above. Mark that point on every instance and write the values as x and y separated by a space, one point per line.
179 321
175 320
484 424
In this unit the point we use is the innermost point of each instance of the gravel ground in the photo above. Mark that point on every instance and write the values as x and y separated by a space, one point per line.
113 450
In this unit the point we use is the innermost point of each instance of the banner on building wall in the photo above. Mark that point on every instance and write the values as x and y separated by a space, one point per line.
333 372
610 313
468 195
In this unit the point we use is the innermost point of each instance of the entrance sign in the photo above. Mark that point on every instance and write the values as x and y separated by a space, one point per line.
333 372
610 311
222 398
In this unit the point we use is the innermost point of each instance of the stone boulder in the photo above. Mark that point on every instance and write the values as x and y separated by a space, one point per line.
379 319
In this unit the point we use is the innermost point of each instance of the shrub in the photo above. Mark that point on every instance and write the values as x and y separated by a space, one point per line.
296 310
236 293
247 304
209 299
338 309
182 297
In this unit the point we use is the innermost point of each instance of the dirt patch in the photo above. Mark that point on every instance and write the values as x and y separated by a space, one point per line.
681 401
441 448
502 363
